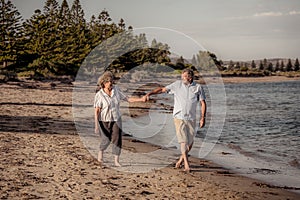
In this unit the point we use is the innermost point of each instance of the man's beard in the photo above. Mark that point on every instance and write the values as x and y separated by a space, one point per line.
186 82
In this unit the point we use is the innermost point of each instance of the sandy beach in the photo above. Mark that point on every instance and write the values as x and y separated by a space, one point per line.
43 156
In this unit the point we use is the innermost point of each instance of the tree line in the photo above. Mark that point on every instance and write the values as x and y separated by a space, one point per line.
57 39
278 65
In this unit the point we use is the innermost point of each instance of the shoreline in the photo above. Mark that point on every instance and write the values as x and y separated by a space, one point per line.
225 79
229 80
45 157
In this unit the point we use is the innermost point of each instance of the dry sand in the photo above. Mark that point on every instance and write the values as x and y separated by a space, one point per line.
44 158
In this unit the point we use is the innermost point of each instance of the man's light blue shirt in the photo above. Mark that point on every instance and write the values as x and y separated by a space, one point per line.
186 99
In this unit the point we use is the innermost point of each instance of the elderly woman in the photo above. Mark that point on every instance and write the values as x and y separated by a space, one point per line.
108 117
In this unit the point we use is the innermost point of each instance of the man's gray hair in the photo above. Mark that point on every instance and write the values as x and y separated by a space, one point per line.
189 72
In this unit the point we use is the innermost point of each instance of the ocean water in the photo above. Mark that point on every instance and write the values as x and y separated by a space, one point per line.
263 119
262 128
260 137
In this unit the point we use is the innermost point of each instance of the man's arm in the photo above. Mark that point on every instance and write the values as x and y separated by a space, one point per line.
203 113
157 91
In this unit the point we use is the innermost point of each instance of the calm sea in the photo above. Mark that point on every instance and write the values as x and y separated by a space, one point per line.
264 119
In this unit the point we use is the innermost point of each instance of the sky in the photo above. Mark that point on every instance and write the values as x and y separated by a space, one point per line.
232 29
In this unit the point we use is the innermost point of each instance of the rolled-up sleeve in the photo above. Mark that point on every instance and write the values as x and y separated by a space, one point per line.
97 101
201 94
121 95
172 87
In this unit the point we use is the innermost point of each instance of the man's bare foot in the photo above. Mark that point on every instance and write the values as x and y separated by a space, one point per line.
178 164
188 170
117 164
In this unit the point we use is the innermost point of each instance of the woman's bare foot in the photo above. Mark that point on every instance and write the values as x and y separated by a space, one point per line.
187 170
100 161
117 163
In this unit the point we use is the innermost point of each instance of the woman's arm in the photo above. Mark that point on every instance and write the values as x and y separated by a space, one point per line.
97 112
136 99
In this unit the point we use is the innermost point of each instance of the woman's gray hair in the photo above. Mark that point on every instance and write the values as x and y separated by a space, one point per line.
105 77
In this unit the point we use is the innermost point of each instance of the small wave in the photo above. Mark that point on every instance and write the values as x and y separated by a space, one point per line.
240 150
265 171
295 163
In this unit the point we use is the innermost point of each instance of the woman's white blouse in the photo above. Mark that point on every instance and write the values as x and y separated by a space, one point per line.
110 105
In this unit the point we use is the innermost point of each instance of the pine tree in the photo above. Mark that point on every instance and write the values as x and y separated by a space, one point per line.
10 32
261 65
63 34
296 65
282 67
77 13
101 28
265 64
64 16
51 11
72 47
231 65
289 66
161 53
253 65
215 62
121 24
43 38
79 36
277 67
237 65
34 40
270 67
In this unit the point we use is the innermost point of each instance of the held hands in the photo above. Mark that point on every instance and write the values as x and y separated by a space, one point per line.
145 98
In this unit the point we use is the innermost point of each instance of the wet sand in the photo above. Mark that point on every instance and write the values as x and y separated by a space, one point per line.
43 157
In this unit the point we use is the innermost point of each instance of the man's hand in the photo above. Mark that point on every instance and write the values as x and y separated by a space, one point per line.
202 122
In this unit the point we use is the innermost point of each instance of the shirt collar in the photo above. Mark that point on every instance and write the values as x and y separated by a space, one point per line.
112 92
190 84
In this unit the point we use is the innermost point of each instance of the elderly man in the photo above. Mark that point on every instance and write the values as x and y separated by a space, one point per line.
187 94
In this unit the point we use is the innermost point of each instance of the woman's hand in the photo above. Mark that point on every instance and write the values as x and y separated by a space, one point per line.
96 129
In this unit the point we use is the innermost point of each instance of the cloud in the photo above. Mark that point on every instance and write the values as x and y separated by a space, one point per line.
294 12
265 14
268 14
276 14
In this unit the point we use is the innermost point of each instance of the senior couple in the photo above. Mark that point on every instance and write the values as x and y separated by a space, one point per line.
187 95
